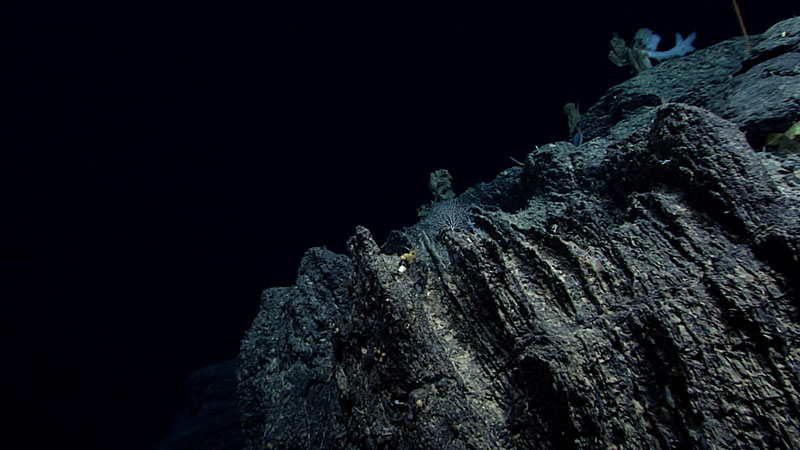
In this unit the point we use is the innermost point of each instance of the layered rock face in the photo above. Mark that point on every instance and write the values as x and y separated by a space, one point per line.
637 291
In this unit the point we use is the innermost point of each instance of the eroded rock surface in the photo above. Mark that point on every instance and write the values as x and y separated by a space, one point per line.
638 291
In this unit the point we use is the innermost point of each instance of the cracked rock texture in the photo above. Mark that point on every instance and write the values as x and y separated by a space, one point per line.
637 291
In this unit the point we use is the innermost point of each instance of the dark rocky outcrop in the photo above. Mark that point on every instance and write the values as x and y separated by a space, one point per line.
638 291
209 419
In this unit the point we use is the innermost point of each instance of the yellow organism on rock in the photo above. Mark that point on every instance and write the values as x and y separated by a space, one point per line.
408 258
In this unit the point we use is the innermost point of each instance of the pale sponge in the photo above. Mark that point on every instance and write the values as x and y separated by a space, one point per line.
682 46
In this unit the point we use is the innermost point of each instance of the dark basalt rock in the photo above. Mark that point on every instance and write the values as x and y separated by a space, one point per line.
638 291
209 419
